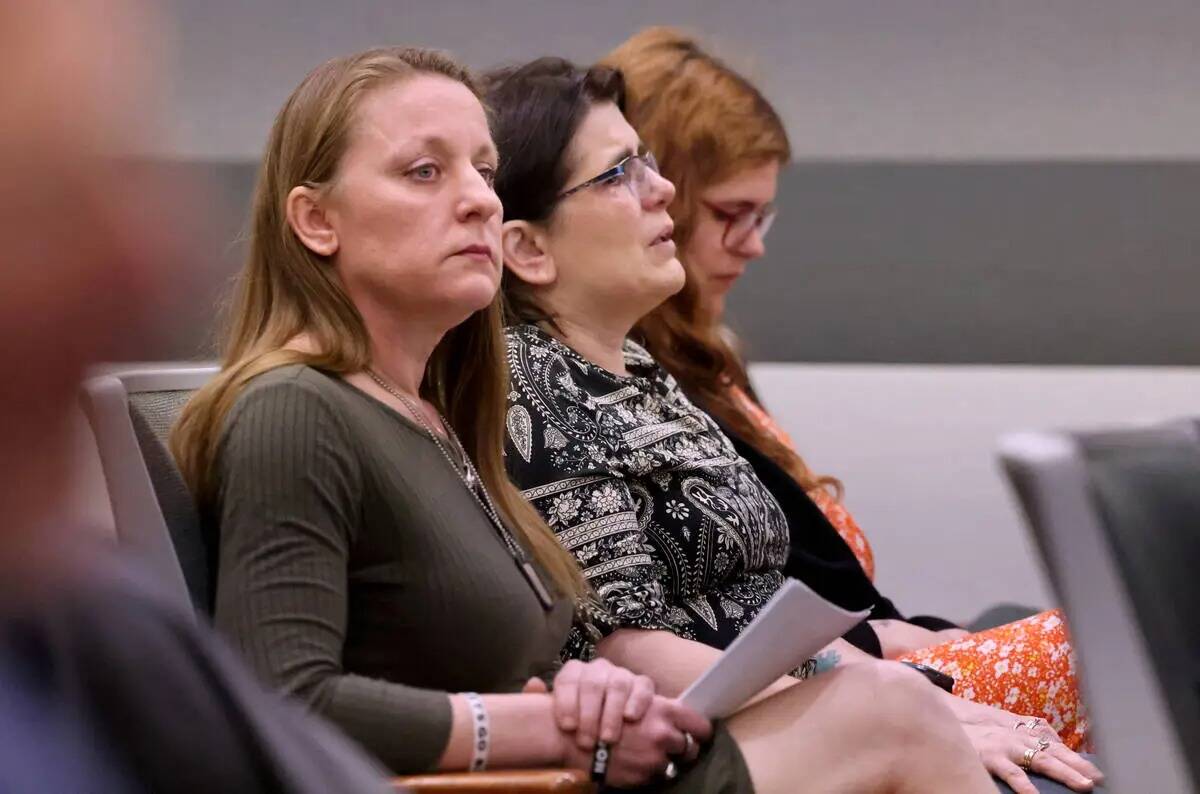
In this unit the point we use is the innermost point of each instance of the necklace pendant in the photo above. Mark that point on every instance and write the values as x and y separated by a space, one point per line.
539 589
470 479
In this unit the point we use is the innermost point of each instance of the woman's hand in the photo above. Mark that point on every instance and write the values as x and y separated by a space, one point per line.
594 700
1002 746
648 745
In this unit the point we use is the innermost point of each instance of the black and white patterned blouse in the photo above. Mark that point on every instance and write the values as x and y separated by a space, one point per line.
671 526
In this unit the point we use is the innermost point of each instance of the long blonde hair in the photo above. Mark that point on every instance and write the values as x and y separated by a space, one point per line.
285 291
704 122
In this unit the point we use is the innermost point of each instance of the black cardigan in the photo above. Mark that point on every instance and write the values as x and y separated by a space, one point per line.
819 557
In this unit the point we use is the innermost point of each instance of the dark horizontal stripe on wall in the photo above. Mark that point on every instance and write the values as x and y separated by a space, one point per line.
1022 262
1029 262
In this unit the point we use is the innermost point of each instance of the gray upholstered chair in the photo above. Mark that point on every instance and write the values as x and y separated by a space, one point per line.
131 413
1116 515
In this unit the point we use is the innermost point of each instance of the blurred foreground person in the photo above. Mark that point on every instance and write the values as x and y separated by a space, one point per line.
103 686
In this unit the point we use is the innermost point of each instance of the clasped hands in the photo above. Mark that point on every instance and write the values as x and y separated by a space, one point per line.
598 701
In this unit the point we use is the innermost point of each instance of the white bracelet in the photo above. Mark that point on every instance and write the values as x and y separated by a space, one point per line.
482 737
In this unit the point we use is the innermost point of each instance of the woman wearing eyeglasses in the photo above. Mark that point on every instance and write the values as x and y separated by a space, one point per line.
674 530
723 145
587 249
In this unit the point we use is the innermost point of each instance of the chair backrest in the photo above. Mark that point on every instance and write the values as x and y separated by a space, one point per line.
1116 515
131 413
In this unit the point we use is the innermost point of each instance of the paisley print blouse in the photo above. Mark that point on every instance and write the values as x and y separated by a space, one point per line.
671 526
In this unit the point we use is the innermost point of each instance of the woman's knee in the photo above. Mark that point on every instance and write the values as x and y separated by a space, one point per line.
897 699
892 686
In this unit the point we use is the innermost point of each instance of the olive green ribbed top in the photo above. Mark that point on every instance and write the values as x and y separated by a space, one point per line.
356 571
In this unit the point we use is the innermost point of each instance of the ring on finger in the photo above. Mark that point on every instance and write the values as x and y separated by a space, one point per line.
671 772
1028 756
688 744
1020 724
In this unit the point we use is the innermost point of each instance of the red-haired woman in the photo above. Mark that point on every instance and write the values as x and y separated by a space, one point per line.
722 144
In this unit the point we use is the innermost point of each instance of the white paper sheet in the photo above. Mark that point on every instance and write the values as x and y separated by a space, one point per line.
789 630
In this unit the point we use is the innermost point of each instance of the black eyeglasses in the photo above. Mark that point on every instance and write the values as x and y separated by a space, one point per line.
630 172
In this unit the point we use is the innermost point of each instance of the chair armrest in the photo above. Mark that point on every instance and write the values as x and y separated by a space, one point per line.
513 781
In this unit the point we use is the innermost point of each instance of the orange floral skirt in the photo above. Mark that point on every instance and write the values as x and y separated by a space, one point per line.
1026 667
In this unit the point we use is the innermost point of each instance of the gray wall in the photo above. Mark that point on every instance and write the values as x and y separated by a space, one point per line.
915 447
1032 263
907 79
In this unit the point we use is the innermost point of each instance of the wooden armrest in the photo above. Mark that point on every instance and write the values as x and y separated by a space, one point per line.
514 781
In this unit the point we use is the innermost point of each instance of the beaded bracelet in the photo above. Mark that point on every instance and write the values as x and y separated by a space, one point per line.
483 738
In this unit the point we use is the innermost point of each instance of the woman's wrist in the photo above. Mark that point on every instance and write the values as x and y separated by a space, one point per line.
531 736
521 731
968 712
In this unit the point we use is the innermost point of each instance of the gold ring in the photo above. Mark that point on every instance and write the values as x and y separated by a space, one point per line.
1027 757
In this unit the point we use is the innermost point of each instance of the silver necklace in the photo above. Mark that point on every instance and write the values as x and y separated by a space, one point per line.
465 470
473 482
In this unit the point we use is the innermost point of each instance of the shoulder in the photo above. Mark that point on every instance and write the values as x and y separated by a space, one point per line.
542 368
289 398
541 363
527 339
289 417
296 381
